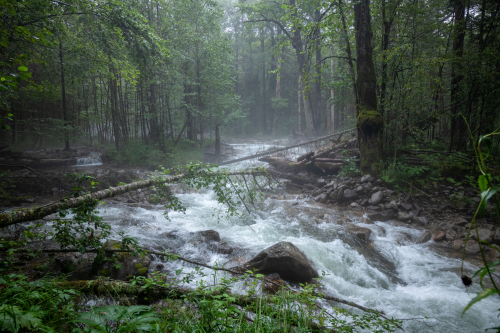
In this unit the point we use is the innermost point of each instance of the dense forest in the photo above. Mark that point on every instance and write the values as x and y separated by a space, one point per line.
378 121
116 72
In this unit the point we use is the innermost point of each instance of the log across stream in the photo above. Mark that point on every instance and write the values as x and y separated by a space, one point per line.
390 272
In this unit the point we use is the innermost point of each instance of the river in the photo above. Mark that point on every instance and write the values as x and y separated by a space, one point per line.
391 273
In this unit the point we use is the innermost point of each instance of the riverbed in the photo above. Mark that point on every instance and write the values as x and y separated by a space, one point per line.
390 273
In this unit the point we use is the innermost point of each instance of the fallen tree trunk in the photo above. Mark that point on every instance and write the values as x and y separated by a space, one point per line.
319 167
284 148
305 156
36 213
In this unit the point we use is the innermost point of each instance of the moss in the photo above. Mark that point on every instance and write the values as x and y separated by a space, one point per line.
139 265
105 272
370 122
142 271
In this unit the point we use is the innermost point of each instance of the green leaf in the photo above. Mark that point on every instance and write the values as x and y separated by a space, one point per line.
486 195
22 68
483 182
482 295
488 143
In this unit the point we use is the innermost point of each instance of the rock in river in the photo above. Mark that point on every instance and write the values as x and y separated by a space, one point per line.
285 259
129 264
386 215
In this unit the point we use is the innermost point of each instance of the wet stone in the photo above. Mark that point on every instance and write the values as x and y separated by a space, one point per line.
484 234
439 236
285 259
377 197
359 232
420 220
382 216
404 217
424 238
406 206
457 244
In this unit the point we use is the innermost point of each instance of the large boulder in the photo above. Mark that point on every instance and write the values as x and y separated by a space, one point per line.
285 259
404 217
365 178
359 232
386 215
484 234
377 197
350 195
123 265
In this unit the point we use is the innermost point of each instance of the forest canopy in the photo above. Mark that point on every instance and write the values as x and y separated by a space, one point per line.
113 72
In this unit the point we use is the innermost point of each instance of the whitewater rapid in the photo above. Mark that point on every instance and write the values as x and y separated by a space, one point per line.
392 274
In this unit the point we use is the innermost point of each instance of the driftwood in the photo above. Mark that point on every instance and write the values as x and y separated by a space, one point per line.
36 213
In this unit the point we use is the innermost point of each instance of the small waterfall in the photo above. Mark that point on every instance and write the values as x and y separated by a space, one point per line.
92 159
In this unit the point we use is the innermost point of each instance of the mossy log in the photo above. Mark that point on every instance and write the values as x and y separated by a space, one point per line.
321 168
36 213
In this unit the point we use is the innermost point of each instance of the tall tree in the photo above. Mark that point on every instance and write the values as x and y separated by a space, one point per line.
370 122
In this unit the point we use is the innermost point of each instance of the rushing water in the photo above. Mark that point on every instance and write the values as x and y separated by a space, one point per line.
93 159
392 273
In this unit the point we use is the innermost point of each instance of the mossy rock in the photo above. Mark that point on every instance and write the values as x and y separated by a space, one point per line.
129 265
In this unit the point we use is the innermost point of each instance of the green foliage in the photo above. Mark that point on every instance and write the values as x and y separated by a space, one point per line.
489 187
401 175
351 169
35 306
118 319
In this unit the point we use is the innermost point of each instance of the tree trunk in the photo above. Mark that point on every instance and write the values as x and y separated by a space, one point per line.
334 120
217 144
370 122
298 45
263 103
456 77
318 75
63 92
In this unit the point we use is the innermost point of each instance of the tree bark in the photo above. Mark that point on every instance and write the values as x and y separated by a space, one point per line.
298 45
369 121
63 92
456 76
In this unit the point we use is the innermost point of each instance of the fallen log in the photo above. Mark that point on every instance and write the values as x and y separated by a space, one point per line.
305 156
36 213
284 148
329 167
321 168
